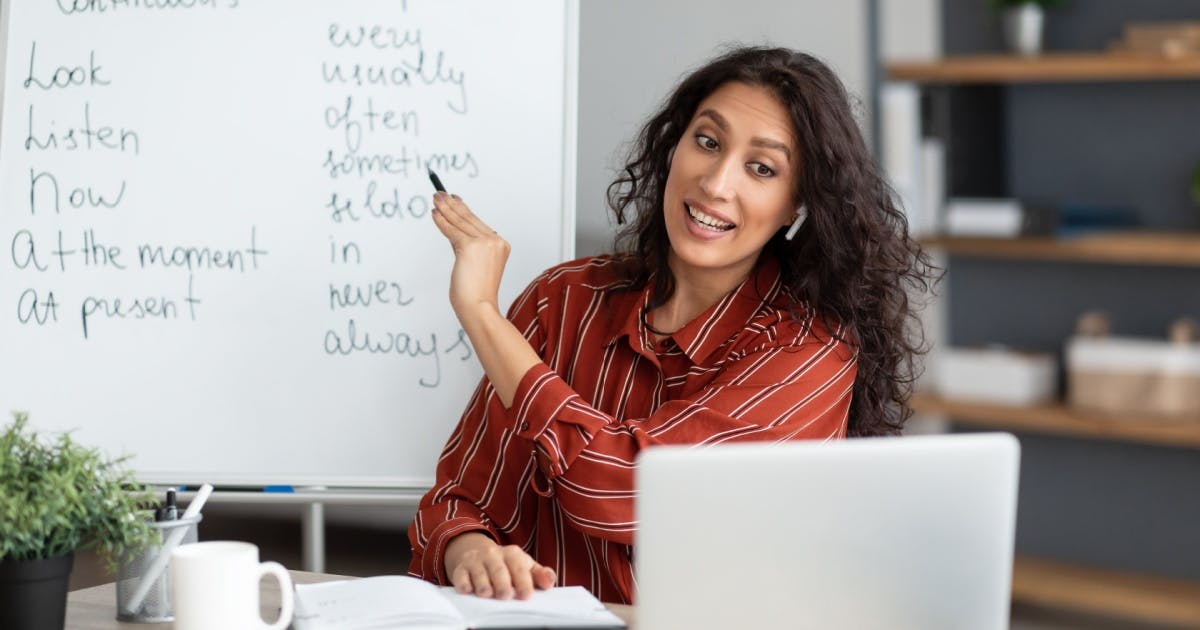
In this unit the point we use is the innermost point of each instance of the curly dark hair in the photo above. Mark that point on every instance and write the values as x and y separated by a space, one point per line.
853 259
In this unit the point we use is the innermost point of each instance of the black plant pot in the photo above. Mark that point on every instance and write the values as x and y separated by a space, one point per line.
33 593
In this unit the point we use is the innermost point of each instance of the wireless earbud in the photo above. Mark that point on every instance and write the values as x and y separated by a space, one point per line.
801 215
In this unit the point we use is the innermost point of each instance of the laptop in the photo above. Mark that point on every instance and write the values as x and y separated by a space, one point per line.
895 533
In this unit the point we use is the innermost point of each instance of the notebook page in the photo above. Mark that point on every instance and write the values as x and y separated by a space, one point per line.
381 601
562 607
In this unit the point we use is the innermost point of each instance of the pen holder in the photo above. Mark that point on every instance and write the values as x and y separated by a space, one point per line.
157 604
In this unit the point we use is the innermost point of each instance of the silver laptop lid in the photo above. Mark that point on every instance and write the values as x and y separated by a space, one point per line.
895 533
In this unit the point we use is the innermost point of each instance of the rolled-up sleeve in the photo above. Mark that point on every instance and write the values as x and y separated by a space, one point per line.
482 474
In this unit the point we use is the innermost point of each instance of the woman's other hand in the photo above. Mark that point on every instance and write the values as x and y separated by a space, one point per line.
476 564
479 256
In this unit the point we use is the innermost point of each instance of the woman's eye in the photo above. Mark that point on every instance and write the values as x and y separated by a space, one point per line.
762 170
706 142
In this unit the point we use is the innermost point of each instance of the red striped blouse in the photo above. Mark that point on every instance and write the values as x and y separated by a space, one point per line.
555 472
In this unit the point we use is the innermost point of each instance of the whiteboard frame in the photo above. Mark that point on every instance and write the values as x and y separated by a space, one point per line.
566 249
571 130
4 11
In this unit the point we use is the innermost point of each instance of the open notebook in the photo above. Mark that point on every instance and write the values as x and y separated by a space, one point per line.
390 601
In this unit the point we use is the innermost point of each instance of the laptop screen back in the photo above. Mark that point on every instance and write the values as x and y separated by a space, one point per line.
913 532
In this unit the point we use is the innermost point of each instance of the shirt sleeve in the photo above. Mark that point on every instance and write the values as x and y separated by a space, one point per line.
482 479
586 457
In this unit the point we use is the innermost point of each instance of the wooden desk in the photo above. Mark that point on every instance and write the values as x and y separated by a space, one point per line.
96 608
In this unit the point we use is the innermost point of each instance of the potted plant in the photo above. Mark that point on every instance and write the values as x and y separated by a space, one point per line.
1024 22
57 497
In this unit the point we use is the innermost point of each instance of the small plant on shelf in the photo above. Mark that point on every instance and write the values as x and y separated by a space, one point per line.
1023 23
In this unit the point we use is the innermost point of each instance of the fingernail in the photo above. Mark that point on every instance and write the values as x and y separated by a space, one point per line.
456 197
483 592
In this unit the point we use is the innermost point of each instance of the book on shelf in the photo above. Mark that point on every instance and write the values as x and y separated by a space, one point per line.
389 601
1080 219
915 165
984 217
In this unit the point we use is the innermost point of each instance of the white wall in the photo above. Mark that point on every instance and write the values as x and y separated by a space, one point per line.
632 52
910 29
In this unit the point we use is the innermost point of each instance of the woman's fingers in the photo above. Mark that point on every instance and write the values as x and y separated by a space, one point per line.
520 568
522 583
457 214
543 576
480 579
500 573
460 215
445 226
461 580
457 204
501 577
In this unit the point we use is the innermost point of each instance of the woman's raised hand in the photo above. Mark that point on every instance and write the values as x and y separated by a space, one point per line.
479 255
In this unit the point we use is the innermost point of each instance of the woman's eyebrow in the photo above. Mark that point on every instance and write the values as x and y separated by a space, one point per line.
767 143
716 118
756 141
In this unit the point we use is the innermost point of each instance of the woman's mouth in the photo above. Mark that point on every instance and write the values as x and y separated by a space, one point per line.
706 222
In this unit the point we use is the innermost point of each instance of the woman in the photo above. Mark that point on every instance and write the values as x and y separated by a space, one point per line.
759 294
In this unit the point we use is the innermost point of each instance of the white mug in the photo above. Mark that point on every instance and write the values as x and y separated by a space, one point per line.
215 586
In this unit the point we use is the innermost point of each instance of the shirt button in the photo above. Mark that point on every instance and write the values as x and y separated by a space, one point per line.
524 426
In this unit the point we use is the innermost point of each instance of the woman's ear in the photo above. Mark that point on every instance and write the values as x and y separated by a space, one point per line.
801 215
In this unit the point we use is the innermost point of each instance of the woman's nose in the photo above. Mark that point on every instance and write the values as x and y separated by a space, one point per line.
717 181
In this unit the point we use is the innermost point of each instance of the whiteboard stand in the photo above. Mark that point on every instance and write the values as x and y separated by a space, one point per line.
314 498
312 532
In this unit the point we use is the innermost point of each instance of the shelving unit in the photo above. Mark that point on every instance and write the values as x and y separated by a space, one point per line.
1069 586
1126 248
1056 68
976 81
1062 420
1098 591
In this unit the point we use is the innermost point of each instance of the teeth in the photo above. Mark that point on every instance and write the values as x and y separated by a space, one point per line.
707 220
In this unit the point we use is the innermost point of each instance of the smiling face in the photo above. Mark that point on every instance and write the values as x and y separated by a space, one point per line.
730 186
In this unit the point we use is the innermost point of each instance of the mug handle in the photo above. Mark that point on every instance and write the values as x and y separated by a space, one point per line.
285 594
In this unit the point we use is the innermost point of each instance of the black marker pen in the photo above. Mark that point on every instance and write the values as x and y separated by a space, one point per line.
170 510
437 183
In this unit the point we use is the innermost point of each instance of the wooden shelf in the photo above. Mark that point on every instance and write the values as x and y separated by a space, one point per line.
1106 592
1127 248
1053 67
1061 420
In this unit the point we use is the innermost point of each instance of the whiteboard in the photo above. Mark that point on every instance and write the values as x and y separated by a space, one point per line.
220 259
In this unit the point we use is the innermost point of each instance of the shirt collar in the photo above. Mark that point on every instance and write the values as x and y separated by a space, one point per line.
705 334
626 308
